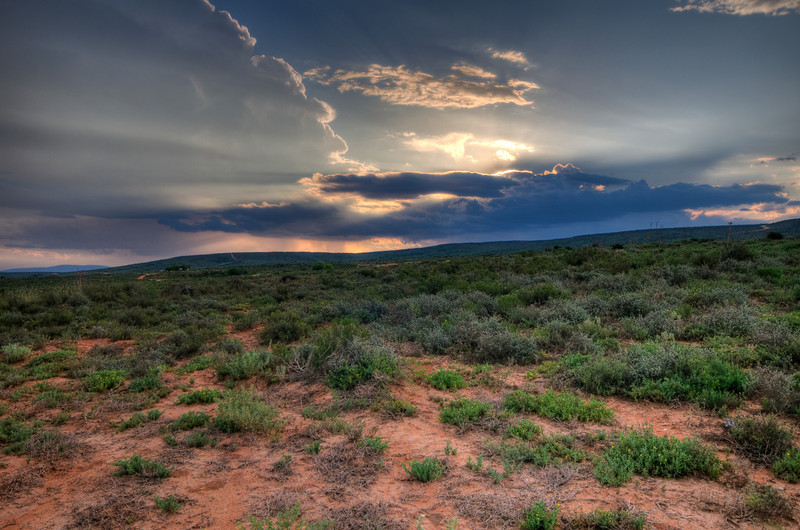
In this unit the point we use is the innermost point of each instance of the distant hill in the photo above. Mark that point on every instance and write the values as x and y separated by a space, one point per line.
788 228
57 269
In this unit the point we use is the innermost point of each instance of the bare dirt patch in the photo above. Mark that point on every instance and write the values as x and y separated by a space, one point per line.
68 481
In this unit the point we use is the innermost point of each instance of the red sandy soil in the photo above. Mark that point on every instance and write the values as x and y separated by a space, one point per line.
220 486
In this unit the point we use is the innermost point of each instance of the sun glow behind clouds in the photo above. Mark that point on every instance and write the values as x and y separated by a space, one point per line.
464 146
755 212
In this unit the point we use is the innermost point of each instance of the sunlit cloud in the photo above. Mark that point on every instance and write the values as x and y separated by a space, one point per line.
772 169
399 86
511 56
766 212
741 7
464 146
470 70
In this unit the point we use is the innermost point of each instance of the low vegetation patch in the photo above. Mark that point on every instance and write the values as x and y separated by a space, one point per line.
291 517
761 439
446 380
205 395
462 412
143 467
523 430
539 517
14 353
426 470
619 519
644 453
555 450
168 504
562 406
136 419
189 421
245 410
665 372
787 466
103 380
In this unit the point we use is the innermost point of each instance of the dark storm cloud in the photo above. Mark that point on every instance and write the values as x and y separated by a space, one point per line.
522 201
410 185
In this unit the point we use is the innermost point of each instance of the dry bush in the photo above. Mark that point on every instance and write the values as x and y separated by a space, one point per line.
271 505
121 507
51 446
365 516
492 511
347 465
23 481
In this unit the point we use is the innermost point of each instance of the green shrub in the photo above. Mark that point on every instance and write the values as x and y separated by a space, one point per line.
244 410
538 517
246 364
13 353
151 381
761 439
377 444
555 450
787 466
292 518
665 372
361 360
463 411
168 504
489 341
14 434
540 294
426 471
52 398
198 363
200 439
205 395
189 421
523 430
766 501
48 365
446 380
314 447
283 327
143 467
395 408
561 406
619 519
136 419
312 412
644 453
103 380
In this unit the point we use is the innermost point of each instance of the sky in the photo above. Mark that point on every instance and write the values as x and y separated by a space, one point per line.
133 130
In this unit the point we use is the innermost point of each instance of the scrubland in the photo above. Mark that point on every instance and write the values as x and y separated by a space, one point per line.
630 387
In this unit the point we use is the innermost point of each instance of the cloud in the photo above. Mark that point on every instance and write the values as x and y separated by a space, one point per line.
399 86
510 56
407 185
741 7
470 70
161 102
474 206
461 146
767 159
